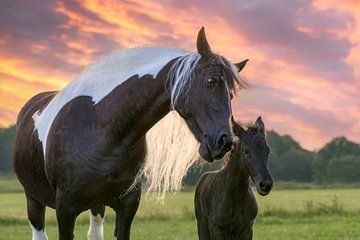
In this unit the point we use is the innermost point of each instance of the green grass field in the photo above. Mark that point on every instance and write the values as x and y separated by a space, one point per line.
284 214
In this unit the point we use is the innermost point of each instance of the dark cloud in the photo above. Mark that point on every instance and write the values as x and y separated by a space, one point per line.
37 32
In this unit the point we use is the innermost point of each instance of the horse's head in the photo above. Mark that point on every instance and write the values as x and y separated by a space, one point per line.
204 101
255 155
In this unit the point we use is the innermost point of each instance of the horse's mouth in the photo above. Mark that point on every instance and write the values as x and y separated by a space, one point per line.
209 155
205 152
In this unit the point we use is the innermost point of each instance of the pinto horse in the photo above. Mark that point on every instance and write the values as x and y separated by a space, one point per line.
84 146
225 206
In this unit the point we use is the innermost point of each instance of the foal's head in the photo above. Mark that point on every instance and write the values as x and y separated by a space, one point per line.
204 100
253 152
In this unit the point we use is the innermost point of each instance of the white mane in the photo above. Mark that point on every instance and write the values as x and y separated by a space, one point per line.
99 79
171 150
181 74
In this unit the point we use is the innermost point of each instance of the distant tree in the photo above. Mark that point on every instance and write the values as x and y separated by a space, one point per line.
7 138
295 166
337 148
288 160
345 169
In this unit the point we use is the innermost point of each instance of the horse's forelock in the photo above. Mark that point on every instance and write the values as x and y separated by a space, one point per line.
182 73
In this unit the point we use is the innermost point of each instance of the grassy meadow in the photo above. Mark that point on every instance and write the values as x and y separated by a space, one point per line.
284 214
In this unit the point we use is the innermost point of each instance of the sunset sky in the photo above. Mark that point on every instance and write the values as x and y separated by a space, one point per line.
303 73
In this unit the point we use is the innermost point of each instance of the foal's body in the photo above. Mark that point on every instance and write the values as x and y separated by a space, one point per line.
225 206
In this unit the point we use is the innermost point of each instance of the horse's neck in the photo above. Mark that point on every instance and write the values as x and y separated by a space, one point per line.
236 177
134 107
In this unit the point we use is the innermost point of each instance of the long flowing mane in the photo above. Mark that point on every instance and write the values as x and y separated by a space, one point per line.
171 147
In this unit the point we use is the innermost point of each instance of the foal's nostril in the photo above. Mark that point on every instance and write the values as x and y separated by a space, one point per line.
266 186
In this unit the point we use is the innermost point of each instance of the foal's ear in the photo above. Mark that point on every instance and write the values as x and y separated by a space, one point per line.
260 124
241 65
202 44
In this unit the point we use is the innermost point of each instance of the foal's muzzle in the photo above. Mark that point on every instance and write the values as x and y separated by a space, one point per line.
265 186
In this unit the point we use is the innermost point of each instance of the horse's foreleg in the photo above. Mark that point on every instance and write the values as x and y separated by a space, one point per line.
96 229
125 209
36 215
66 213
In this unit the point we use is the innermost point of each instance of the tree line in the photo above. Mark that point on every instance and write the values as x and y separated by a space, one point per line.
337 162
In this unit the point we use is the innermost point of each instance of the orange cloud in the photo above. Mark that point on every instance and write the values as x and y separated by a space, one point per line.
304 55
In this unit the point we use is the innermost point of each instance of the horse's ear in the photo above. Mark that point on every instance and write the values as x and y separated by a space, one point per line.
241 65
202 44
260 125
238 130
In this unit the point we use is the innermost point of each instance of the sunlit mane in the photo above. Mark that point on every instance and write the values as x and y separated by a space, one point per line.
181 75
171 147
171 150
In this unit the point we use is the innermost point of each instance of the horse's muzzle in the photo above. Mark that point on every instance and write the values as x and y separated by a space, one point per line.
211 150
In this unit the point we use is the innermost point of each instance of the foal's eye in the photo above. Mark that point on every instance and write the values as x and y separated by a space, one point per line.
246 152
211 82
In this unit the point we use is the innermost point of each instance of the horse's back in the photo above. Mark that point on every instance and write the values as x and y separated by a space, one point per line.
28 154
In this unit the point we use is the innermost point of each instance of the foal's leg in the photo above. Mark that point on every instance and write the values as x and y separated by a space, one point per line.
96 229
216 233
66 212
125 209
203 228
36 215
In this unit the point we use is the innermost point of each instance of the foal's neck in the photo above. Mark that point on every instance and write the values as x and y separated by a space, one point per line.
237 178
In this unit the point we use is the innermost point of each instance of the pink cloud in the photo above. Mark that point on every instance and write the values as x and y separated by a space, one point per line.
303 57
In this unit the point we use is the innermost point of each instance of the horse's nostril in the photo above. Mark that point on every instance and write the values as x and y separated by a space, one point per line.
224 141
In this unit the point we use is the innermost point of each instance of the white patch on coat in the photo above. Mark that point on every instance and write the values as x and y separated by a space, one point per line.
38 235
99 79
96 229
